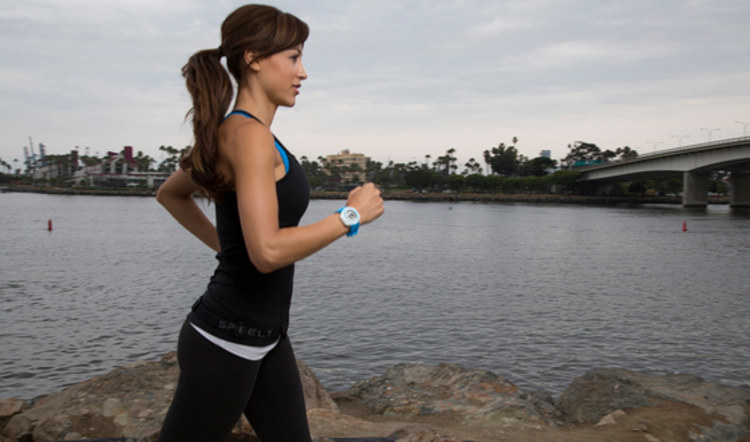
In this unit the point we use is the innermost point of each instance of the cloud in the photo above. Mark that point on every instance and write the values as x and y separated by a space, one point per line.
582 54
500 25
387 78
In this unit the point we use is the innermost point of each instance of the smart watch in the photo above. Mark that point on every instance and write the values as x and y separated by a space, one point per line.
350 217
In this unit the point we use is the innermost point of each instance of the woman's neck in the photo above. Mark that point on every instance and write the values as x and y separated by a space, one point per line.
260 107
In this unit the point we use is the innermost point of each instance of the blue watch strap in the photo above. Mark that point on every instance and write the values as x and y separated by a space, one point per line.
354 228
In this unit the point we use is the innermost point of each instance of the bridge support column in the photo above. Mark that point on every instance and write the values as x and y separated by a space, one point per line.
740 184
695 189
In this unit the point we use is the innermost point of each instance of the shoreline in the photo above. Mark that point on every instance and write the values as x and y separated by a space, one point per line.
446 402
410 196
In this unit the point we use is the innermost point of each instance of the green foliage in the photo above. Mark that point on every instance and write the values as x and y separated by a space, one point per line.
503 160
586 154
88 160
143 162
172 159
446 163
637 188
539 166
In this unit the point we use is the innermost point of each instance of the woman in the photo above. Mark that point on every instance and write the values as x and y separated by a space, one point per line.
233 350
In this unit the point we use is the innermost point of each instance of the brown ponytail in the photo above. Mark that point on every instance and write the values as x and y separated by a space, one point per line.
261 29
211 90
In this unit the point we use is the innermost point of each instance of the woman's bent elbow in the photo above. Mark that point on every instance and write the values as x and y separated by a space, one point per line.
162 196
266 262
264 267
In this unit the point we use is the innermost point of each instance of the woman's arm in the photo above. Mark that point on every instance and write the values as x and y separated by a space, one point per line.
253 160
176 195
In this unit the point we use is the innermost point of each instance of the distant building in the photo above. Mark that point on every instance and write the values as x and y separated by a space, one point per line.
546 154
49 170
350 166
119 170
116 170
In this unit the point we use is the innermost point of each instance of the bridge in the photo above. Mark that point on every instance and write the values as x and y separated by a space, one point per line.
693 163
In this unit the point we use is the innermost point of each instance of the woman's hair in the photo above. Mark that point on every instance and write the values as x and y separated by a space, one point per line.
264 30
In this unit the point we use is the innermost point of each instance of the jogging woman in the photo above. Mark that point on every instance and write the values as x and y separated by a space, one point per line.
234 353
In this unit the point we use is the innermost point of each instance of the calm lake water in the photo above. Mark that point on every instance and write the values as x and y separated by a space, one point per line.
538 294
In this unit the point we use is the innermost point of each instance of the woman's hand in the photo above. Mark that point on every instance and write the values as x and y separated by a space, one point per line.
368 202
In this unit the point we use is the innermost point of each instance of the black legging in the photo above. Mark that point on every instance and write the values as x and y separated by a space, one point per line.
215 387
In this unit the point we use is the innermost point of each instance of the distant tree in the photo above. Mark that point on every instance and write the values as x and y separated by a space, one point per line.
316 175
88 160
374 171
582 153
169 163
503 160
143 162
6 165
522 165
471 167
446 163
564 180
539 166
625 153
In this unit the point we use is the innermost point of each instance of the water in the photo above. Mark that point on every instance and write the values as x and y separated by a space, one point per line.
538 294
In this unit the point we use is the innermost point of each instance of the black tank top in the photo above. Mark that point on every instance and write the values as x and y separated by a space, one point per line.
238 294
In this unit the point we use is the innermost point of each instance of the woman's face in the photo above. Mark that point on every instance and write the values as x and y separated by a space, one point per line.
281 75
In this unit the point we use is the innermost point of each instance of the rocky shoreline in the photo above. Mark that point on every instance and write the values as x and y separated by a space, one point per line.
410 196
410 403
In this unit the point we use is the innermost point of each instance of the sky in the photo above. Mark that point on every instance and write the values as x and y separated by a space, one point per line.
393 79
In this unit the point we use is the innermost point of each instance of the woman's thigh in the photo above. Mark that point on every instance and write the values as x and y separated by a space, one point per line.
213 389
276 409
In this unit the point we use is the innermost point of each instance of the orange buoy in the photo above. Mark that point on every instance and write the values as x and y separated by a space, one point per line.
49 225
684 226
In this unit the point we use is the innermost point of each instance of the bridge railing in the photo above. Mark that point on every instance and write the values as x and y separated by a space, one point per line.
665 152
695 146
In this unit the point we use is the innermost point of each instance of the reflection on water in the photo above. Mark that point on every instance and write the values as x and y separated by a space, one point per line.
536 293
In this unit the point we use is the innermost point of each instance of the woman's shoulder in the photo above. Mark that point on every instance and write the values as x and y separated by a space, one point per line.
237 134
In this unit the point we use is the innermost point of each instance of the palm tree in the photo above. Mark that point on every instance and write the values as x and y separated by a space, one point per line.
472 166
5 165
143 162
169 164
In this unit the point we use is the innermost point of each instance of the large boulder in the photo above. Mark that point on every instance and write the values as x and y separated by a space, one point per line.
9 408
602 391
130 401
410 390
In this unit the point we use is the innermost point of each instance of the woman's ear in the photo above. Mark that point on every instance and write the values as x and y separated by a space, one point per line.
250 60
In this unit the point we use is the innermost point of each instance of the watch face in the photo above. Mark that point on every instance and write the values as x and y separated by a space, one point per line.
350 216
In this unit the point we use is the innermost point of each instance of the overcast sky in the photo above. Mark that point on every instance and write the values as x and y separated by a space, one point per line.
393 79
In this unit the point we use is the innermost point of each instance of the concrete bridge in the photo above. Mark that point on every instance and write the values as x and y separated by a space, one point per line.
694 163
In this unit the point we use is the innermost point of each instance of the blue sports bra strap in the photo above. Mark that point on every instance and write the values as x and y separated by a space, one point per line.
282 152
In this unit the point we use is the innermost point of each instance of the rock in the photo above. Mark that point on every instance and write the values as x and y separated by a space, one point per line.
315 395
604 390
419 433
611 418
333 424
9 408
410 390
128 402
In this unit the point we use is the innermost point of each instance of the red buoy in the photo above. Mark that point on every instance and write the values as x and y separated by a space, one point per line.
49 225
684 226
